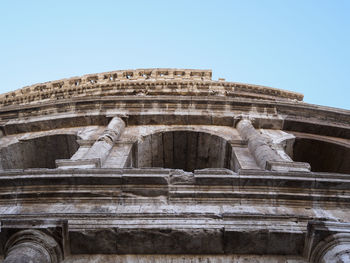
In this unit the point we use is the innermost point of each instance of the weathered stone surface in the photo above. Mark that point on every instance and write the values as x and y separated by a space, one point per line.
182 259
28 246
167 165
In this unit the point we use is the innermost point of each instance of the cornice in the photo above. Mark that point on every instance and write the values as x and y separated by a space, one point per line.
142 82
302 189
293 116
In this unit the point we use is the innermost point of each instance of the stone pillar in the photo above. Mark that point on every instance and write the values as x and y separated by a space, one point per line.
266 157
257 144
96 155
102 147
120 156
29 246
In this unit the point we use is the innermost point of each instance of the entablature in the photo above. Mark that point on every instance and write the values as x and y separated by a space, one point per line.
142 82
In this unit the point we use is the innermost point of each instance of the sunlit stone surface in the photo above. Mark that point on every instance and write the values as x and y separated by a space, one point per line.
168 165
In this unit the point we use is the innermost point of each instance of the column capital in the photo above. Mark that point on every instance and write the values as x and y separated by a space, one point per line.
32 245
328 242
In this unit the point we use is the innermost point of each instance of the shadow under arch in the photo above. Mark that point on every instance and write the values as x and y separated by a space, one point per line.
39 152
322 155
213 130
183 149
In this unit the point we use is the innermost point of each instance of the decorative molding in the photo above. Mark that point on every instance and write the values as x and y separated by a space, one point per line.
142 82
327 242
39 243
255 186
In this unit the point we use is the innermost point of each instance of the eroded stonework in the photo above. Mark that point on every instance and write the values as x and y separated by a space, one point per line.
168 165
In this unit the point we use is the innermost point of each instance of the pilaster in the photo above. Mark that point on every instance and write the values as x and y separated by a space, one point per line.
266 157
97 154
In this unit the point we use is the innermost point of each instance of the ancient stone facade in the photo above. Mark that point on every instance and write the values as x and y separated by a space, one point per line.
168 165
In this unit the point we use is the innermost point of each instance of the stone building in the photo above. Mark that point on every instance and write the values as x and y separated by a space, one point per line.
168 165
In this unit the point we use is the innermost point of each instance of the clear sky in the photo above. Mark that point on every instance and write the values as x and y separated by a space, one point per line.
298 45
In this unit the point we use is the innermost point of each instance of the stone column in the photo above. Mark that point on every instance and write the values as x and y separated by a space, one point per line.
266 157
29 246
102 147
97 154
257 144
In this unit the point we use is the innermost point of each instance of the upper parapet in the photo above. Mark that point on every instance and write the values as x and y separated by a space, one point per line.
156 82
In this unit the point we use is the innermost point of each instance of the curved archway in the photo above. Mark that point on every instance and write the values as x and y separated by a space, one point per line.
187 150
333 249
323 156
224 132
39 152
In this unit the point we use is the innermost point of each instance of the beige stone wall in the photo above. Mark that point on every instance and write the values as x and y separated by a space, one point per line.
182 259
167 165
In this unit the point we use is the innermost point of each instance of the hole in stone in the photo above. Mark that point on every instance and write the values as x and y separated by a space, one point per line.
92 80
322 156
179 73
39 152
145 75
162 73
128 75
75 82
186 150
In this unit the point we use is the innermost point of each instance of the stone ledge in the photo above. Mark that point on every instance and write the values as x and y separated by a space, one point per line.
142 80
211 180
78 164
288 166
160 186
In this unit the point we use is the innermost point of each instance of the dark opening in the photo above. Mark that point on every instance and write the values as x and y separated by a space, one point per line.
39 152
185 150
322 156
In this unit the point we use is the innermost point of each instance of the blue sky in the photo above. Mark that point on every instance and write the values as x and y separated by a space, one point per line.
302 46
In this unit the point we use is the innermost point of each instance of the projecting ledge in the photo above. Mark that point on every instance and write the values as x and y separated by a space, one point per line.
164 177
288 166
78 164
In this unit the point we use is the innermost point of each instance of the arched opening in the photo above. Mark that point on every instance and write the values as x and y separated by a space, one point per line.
39 152
322 156
187 150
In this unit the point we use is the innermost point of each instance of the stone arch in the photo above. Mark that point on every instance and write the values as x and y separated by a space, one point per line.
333 249
39 151
209 129
324 155
183 149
